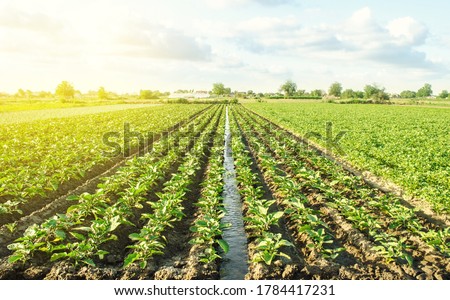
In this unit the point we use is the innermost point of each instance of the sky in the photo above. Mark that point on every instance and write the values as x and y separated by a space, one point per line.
254 45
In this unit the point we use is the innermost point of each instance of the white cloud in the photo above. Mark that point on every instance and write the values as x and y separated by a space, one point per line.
276 2
220 4
13 18
244 42
361 19
264 24
359 37
38 35
408 31
157 41
46 38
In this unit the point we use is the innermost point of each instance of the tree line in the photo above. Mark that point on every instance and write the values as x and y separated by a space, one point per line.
66 90
373 91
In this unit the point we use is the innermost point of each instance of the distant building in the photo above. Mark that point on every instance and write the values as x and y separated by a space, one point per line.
201 94
194 95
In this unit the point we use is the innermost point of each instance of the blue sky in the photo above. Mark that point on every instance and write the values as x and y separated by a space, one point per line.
126 46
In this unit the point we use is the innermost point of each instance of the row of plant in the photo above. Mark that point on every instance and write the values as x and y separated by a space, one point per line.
357 202
37 157
407 145
208 228
100 213
398 216
386 244
307 220
168 209
261 214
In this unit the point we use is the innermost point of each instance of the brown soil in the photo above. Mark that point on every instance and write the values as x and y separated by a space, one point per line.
178 262
424 208
359 261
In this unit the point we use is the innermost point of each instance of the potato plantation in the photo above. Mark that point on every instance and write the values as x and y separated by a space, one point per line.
68 211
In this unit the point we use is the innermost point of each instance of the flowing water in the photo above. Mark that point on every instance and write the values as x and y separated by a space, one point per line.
235 262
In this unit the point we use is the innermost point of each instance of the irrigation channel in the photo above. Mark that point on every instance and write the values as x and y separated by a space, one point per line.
234 265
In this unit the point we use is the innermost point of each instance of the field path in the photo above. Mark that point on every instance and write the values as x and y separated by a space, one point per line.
33 115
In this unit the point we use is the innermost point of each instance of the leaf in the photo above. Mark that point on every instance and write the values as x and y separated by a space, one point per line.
73 198
78 236
89 262
281 254
58 247
57 256
55 185
61 234
278 215
262 210
87 229
130 259
313 218
101 254
115 222
409 259
14 258
135 236
267 258
72 208
143 264
224 245
202 223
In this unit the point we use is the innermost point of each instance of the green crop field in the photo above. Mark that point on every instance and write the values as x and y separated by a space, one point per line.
41 114
407 145
72 210
40 155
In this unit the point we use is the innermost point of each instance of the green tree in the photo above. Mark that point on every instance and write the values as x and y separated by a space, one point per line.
335 89
148 94
359 94
317 93
44 94
376 93
289 88
300 93
102 93
444 94
425 91
65 90
219 89
29 94
20 93
408 94
348 94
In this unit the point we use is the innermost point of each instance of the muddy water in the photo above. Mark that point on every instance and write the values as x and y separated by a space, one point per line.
235 262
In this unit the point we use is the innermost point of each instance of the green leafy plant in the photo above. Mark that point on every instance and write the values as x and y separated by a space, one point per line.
268 248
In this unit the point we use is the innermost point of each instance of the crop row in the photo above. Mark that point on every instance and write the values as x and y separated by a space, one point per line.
99 214
37 157
291 199
407 145
346 194
208 227
168 209
260 215
368 208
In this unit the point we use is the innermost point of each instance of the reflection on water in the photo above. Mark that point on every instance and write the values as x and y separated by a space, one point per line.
235 262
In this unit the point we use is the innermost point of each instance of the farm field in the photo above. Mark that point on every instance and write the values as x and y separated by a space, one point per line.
32 115
409 146
160 215
43 159
23 104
